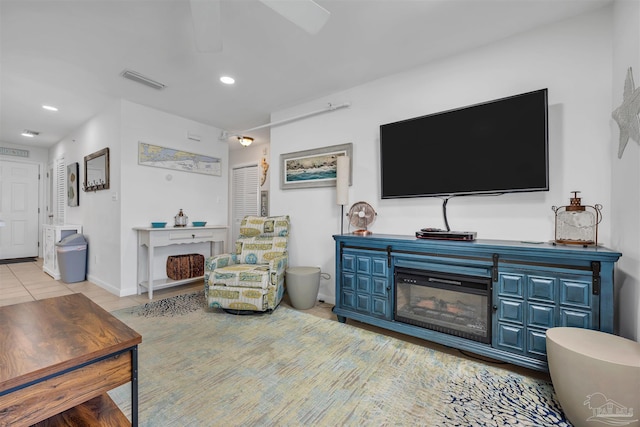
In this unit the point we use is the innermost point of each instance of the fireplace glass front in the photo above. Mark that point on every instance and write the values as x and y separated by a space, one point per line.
450 303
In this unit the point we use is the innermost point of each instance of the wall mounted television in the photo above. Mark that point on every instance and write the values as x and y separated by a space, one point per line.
495 147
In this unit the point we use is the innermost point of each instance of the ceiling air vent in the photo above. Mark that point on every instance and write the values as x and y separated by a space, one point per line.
137 77
30 133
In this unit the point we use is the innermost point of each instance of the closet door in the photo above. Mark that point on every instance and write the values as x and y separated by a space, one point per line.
245 194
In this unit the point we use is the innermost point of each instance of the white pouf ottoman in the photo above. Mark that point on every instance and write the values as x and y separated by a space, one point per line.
596 376
302 285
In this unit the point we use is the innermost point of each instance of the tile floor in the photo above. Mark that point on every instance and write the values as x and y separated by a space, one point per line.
25 281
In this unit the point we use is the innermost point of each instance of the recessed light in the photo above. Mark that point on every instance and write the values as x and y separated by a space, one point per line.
50 107
29 133
227 80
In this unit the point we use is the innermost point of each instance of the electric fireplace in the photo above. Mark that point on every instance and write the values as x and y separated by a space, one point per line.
454 304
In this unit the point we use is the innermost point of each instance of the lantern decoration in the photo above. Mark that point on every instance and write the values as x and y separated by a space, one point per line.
577 224
181 219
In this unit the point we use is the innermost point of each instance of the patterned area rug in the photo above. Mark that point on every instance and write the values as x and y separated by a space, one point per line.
205 367
176 306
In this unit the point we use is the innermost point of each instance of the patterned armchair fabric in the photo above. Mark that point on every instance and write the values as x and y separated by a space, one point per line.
252 278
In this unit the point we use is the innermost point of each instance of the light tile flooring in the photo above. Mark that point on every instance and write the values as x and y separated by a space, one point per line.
26 281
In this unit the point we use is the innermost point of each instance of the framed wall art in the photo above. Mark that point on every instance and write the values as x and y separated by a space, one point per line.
73 185
169 158
313 168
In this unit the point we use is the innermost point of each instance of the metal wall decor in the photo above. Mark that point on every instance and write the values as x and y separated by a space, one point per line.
626 115
264 203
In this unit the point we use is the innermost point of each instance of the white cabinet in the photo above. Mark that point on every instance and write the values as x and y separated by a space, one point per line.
52 234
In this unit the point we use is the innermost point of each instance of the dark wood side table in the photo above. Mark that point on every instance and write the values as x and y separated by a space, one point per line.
59 357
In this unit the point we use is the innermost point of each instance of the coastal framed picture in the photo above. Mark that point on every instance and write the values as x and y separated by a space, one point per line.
170 158
313 168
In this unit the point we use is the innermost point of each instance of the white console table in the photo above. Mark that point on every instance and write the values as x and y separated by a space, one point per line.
152 238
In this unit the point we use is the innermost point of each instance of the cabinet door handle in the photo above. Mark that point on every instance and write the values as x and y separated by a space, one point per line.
193 236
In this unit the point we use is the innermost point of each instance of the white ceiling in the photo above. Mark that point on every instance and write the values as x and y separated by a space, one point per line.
70 53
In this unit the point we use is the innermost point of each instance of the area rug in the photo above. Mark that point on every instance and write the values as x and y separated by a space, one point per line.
175 306
204 367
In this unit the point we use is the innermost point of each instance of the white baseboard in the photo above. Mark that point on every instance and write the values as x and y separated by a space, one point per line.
110 288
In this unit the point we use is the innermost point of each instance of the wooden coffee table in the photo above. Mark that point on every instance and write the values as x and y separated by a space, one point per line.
59 357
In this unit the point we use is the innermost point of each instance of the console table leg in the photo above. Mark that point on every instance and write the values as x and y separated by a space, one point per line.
150 272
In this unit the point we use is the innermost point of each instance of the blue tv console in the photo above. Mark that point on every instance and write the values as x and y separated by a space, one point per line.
529 287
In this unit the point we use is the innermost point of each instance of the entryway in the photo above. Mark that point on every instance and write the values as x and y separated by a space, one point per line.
19 189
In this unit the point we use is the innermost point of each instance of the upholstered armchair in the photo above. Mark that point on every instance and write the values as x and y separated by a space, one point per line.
251 278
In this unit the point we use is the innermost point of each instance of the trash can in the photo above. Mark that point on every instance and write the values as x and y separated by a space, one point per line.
72 258
303 284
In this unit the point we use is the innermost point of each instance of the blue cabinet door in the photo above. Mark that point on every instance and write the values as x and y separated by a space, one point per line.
366 283
529 301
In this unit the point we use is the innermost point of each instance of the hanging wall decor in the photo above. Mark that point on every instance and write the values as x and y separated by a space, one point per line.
312 168
264 167
73 185
170 158
96 171
264 203
626 115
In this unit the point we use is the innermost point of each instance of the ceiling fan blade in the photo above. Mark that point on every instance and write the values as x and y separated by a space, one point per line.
306 14
206 19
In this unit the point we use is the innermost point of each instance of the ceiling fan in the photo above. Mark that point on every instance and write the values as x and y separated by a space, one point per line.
306 14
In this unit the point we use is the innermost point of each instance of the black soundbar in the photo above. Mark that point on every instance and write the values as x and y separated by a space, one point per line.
447 235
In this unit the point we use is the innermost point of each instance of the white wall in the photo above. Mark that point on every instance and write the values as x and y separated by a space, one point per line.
572 59
97 213
139 194
147 193
626 172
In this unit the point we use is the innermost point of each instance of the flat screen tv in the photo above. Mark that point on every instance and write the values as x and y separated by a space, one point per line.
494 147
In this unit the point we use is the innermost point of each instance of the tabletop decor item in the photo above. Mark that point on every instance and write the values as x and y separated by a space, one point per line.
181 219
158 224
577 224
199 223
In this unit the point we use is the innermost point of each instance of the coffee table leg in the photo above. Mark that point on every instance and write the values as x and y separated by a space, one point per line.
134 387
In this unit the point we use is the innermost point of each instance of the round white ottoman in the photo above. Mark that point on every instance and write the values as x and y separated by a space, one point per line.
303 284
596 376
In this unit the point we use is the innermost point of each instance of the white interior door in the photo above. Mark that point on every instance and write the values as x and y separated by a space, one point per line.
18 209
245 191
